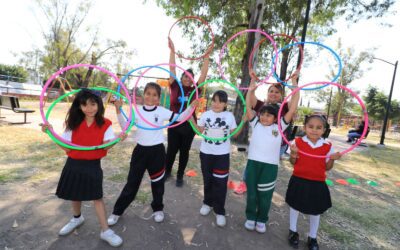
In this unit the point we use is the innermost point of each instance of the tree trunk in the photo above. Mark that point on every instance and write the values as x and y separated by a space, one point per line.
89 73
256 14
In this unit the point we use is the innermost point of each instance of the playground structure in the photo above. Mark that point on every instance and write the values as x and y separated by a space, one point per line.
61 90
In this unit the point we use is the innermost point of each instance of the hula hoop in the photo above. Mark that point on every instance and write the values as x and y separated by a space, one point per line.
134 94
60 141
327 83
238 127
156 127
209 28
262 40
41 103
273 66
337 57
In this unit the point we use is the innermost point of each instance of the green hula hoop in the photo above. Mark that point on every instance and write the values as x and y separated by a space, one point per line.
238 127
94 147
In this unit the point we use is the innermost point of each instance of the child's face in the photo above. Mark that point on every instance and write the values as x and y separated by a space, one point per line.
217 106
151 97
267 119
274 95
90 108
314 129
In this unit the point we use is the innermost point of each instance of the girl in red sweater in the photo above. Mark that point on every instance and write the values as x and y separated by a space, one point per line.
307 191
82 177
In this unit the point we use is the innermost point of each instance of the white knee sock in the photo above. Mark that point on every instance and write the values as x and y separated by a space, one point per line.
294 214
314 223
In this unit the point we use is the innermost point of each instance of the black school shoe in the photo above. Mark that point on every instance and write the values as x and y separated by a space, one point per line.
179 182
293 239
312 244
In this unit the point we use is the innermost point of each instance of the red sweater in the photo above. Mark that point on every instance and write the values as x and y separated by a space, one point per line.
89 136
308 167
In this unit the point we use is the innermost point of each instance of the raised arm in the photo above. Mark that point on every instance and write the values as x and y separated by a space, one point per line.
294 102
172 69
253 98
250 93
204 68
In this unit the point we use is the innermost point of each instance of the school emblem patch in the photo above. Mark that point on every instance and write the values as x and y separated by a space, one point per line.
275 132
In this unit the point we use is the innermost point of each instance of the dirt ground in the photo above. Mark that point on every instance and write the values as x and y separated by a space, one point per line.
31 215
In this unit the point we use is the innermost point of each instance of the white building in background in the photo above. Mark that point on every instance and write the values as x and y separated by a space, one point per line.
10 86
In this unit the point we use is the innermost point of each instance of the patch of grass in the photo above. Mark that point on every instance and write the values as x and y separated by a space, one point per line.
142 196
24 150
345 238
8 175
118 177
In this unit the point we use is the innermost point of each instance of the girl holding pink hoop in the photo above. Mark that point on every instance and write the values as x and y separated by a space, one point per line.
180 138
307 191
82 176
149 153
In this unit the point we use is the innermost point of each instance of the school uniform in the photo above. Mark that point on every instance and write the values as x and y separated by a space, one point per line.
307 191
262 168
82 177
214 157
149 154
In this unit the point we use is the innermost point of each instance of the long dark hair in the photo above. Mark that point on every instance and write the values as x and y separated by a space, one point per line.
222 97
75 115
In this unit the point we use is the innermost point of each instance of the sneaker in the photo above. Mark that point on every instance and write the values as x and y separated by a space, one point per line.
111 237
260 227
158 216
250 225
112 220
312 243
205 210
241 188
221 220
71 225
179 182
293 239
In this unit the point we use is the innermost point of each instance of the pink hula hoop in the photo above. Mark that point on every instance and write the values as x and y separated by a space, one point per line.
219 62
134 95
262 40
209 28
48 82
340 86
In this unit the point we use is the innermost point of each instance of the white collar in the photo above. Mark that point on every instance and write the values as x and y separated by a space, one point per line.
319 143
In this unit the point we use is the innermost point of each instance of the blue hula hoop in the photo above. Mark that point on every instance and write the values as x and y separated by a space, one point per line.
182 97
337 57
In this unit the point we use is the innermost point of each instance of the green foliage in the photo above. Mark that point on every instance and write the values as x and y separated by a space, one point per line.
65 25
376 102
342 102
302 112
18 73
